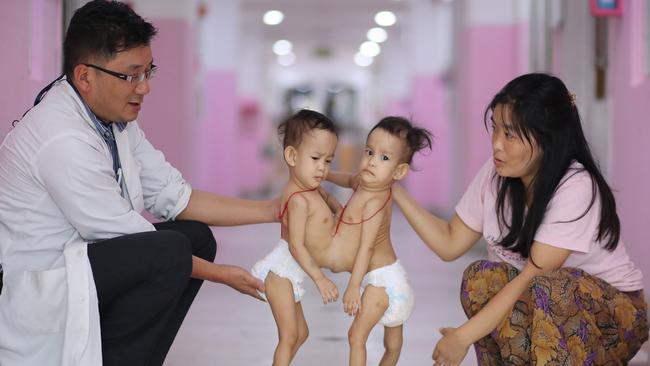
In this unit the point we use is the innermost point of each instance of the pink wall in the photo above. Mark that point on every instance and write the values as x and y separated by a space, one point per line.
489 59
558 52
217 139
168 114
253 129
431 188
231 137
30 35
630 163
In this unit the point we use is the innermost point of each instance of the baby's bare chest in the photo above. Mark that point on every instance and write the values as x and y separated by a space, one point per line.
354 209
320 217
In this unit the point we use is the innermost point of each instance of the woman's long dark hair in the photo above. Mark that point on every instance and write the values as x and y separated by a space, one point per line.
543 112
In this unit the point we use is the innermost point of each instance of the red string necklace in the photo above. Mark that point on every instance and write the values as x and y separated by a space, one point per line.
286 204
390 194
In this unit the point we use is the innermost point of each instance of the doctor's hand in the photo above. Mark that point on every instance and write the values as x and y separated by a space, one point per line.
451 349
233 276
242 281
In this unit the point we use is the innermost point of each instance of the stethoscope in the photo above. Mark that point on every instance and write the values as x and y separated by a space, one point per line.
41 94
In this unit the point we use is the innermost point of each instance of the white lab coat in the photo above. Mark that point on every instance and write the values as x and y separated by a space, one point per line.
58 192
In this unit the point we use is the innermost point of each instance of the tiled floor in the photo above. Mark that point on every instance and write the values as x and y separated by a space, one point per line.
226 328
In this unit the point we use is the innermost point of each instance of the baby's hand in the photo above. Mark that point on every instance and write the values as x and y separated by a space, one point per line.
352 300
327 289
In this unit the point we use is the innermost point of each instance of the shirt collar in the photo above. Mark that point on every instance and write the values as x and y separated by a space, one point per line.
102 127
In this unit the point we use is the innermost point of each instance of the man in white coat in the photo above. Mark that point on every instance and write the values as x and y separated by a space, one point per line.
87 280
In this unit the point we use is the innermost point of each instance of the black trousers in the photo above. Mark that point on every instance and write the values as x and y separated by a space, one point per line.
144 289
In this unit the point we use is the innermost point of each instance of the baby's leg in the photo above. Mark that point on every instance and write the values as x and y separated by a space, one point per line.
303 330
289 318
374 303
393 345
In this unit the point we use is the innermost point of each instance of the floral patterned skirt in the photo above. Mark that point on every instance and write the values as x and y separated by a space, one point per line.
566 317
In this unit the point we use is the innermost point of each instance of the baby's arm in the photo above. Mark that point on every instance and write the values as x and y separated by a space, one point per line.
369 230
342 179
299 210
332 202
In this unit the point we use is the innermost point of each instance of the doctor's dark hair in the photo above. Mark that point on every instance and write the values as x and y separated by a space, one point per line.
100 29
415 138
295 127
543 114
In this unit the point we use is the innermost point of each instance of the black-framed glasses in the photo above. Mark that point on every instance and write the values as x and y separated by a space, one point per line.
133 79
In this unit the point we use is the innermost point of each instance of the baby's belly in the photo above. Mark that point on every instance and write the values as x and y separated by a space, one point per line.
337 255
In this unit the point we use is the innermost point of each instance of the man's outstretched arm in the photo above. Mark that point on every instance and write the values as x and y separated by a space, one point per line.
217 210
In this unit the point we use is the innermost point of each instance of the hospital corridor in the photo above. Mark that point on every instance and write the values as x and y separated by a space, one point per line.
171 113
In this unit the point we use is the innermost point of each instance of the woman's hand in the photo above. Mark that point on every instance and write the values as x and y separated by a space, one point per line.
451 349
354 180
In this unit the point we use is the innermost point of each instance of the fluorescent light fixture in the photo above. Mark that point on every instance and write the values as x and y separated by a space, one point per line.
273 17
377 35
362 60
369 49
385 18
282 47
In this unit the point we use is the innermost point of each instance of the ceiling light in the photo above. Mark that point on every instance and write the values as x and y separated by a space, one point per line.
282 47
377 35
385 18
362 60
369 49
273 17
287 60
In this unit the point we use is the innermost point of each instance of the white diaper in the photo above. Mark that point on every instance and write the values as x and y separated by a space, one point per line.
394 280
281 262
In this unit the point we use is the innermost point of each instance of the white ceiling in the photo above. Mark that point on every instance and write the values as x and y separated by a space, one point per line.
339 26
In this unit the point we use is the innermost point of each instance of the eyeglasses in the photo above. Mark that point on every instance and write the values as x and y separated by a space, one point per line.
133 79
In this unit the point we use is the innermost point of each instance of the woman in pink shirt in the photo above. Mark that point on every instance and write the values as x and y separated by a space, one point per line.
558 286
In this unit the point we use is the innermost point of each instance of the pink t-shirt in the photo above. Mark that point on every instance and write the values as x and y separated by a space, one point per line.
477 209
